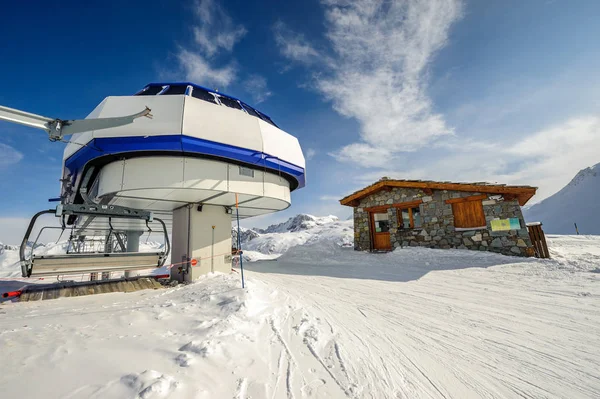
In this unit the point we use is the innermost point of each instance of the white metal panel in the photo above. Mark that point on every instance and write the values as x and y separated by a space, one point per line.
189 195
153 172
278 143
225 199
229 199
245 184
166 119
221 124
111 178
267 203
277 187
205 174
251 212
134 202
179 242
210 240
151 193
167 182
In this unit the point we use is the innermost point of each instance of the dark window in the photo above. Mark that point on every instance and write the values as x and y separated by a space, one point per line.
250 110
150 91
228 102
409 218
203 95
174 90
246 171
381 222
266 118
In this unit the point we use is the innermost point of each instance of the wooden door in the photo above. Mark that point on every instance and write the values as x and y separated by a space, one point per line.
380 231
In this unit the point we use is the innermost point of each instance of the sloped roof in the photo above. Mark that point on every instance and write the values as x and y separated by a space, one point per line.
521 193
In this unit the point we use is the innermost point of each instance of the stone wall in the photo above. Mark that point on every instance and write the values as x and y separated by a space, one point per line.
438 229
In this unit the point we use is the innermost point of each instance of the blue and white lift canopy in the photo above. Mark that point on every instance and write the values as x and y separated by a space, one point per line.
200 147
166 147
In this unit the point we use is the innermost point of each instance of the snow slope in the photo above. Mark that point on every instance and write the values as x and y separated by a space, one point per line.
9 266
578 202
325 321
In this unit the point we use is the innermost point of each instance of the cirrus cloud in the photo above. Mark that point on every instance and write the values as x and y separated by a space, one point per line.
9 155
375 71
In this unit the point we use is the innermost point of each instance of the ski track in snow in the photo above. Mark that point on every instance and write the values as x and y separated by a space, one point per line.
415 323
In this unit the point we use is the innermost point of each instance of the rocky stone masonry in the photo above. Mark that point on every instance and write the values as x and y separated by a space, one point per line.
438 229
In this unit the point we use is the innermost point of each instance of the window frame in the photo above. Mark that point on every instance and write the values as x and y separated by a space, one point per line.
166 89
387 220
215 99
147 88
224 104
411 222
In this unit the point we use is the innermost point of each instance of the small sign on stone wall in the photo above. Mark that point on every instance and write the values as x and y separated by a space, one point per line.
506 224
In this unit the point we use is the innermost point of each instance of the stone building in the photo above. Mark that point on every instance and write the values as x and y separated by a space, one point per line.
479 216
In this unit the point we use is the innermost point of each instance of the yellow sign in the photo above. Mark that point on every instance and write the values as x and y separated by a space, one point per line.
505 224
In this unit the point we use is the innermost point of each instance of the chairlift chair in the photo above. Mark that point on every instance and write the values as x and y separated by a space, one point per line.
82 259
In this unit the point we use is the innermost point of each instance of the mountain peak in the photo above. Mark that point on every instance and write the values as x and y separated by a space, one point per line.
576 203
299 222
585 174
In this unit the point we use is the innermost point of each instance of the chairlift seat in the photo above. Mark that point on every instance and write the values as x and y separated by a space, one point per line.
51 265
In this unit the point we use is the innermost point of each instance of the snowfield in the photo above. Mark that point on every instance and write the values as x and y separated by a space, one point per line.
325 321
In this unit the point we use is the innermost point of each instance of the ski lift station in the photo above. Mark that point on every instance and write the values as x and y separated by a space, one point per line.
173 152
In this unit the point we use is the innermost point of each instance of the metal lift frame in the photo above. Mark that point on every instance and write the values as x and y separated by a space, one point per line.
92 262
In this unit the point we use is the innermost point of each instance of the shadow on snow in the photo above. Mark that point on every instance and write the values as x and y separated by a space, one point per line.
403 264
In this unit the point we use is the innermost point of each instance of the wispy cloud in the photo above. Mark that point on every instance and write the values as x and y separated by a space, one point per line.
310 153
548 158
215 34
293 45
199 69
257 87
8 155
330 197
378 71
216 31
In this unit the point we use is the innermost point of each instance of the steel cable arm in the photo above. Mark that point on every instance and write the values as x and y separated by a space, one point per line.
57 128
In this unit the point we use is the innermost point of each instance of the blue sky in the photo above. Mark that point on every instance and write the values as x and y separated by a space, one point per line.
505 91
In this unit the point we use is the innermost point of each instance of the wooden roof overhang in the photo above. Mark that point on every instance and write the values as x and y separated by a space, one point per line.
521 193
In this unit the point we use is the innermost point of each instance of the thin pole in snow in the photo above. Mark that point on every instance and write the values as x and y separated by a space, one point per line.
576 229
212 252
239 244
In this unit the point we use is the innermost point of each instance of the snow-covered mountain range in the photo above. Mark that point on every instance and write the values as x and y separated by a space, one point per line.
577 202
301 229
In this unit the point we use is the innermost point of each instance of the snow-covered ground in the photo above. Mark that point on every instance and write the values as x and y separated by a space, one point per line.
325 321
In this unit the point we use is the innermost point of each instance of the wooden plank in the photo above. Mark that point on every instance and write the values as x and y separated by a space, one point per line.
408 204
533 242
384 208
543 241
377 209
523 193
467 199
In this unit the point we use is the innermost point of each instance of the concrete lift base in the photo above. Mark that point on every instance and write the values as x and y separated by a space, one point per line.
201 235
